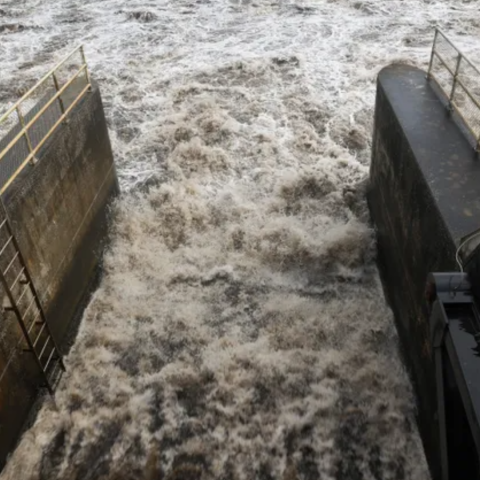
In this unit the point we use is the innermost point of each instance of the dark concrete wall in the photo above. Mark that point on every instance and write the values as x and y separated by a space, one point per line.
423 198
59 212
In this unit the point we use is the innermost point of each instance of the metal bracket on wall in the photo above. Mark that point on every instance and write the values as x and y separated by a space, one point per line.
454 331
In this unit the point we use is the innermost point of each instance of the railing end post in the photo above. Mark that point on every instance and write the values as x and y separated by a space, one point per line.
432 55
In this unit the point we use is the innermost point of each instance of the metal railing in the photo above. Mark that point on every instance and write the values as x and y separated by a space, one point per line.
28 124
459 80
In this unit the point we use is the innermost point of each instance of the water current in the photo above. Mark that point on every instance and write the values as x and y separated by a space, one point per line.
239 330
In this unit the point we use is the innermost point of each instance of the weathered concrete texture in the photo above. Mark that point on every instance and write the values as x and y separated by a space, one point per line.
59 211
423 197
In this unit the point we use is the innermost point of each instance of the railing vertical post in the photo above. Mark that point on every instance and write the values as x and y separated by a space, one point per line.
454 85
430 65
57 88
21 119
87 73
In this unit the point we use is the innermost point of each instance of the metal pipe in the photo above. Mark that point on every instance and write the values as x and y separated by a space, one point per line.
444 63
458 50
60 101
24 130
466 59
455 77
87 74
465 121
470 95
442 33
430 65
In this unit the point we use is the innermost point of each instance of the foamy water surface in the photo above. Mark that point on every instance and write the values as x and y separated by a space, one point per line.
239 329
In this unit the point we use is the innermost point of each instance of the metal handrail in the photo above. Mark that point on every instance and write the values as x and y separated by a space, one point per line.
24 131
452 105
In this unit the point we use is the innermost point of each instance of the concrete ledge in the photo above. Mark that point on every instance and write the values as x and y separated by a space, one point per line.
424 198
59 211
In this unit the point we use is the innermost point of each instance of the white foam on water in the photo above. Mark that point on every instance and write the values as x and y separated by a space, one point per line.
240 329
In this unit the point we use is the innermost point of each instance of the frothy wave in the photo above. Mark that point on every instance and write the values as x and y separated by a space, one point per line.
239 330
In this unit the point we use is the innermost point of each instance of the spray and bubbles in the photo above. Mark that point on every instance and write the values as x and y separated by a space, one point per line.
239 330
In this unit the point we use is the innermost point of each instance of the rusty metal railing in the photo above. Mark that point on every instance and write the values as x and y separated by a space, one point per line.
459 80
53 98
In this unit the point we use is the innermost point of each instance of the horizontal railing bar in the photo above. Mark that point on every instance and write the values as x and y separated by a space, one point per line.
470 125
39 114
9 362
49 358
471 64
22 271
52 100
45 138
11 263
11 357
54 371
28 309
457 110
47 341
39 84
452 73
33 321
2 251
458 50
442 33
12 143
465 121
20 298
38 335
472 98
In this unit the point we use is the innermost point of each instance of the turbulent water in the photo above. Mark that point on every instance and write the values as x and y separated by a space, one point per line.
239 330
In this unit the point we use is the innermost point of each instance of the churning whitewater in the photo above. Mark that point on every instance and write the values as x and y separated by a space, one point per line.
239 330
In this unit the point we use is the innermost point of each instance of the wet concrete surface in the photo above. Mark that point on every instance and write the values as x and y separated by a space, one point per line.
59 211
424 199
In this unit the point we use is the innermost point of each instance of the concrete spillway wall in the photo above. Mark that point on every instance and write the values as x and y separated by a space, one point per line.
59 212
423 197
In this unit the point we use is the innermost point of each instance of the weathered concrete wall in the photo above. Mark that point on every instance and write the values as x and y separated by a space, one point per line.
423 197
59 211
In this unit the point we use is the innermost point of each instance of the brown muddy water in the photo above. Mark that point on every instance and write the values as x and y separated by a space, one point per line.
239 330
